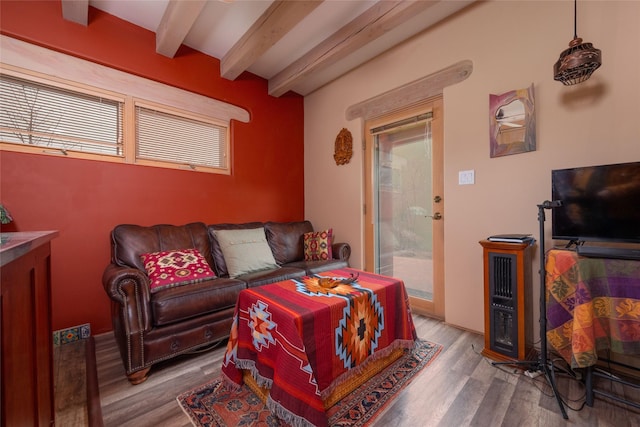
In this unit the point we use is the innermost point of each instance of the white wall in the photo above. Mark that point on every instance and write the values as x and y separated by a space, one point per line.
512 44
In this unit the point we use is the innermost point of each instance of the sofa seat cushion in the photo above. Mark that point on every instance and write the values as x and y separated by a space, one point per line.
313 267
265 277
179 303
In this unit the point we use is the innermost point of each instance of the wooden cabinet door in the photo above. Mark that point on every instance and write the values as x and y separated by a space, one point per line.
27 353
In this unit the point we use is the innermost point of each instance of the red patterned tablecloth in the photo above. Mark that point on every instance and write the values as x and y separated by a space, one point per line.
592 304
302 340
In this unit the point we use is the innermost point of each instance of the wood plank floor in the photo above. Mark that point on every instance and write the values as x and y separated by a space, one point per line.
70 384
459 388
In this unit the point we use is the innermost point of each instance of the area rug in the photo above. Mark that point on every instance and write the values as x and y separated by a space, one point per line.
212 404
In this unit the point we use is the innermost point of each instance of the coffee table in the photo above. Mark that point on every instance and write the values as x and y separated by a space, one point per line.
302 346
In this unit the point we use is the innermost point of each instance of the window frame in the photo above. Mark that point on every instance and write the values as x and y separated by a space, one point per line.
186 115
128 144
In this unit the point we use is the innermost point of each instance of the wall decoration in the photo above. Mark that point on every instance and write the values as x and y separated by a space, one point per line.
343 147
512 122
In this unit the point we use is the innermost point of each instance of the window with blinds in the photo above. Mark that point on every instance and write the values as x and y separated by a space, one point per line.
57 118
170 137
44 116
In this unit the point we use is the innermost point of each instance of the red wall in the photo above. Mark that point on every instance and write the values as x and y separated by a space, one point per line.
85 199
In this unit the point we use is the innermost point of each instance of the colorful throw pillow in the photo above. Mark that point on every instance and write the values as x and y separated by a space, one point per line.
317 245
174 268
245 250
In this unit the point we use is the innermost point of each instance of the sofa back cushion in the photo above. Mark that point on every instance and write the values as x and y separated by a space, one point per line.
216 251
129 242
286 240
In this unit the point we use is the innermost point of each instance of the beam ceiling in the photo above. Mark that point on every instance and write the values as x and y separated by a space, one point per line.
244 42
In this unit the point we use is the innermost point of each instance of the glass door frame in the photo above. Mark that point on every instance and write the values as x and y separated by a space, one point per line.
434 307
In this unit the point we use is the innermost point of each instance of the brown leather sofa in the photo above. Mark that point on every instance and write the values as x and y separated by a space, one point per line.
151 327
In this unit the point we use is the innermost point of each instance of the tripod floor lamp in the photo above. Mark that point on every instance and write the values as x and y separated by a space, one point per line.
502 341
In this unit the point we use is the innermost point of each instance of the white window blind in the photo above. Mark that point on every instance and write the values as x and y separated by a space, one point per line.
168 137
57 118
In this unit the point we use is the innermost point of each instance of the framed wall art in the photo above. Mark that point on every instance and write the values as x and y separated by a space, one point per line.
512 122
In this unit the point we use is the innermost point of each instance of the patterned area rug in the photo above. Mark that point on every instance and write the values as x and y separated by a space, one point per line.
212 404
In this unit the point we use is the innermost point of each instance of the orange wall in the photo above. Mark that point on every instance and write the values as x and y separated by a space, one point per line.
85 199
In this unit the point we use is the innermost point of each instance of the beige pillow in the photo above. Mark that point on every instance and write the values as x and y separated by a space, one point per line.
245 251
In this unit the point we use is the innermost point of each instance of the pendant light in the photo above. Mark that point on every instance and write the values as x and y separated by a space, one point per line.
577 63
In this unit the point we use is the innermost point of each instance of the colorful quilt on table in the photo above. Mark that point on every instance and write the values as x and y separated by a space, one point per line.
592 304
301 339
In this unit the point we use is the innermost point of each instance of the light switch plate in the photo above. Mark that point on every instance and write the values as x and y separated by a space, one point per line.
467 177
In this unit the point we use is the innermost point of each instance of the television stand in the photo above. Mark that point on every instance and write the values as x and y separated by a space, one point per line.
608 252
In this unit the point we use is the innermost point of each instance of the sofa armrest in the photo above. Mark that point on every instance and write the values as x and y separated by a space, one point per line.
341 251
129 289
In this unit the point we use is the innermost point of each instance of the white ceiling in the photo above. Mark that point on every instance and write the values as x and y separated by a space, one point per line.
342 33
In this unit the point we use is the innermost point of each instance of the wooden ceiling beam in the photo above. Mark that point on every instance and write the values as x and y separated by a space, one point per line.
280 18
76 11
376 21
176 22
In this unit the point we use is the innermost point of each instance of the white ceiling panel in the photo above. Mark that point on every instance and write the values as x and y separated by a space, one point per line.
319 44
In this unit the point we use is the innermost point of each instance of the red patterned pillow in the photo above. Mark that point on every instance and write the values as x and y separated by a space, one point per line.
317 245
174 268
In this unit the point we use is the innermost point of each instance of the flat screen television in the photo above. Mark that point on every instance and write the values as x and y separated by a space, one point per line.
599 203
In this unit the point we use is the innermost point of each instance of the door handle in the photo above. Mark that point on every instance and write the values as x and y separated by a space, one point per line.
436 216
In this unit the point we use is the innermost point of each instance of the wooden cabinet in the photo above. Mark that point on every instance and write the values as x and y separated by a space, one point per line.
508 302
25 325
